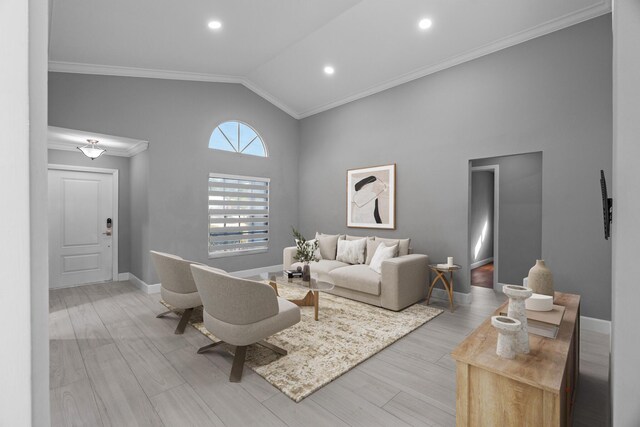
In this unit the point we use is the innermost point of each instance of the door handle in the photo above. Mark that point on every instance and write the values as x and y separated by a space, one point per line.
109 226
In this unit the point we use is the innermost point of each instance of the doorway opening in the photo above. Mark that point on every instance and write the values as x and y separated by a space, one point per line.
483 225
505 218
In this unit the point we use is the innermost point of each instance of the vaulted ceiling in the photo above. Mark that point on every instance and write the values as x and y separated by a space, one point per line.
279 48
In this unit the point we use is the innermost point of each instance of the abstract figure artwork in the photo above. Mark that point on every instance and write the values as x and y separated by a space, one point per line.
371 197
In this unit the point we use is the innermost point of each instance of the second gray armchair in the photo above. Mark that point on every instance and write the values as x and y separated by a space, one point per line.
241 312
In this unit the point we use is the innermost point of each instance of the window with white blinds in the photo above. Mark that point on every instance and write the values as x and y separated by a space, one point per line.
238 215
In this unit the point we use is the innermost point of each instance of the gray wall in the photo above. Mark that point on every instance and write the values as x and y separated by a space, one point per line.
520 214
550 94
177 118
124 184
481 214
625 376
140 262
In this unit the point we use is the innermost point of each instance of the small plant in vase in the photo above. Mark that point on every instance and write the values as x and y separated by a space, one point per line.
306 252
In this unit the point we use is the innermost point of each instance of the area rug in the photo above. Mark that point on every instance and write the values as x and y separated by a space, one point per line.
346 334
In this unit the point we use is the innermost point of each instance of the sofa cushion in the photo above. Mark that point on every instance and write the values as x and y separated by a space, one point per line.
328 245
322 266
351 251
348 237
403 244
358 278
372 246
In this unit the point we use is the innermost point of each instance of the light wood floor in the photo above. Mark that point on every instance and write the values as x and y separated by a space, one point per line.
114 364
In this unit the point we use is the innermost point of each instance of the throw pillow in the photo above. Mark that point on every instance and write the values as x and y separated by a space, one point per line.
351 251
328 245
383 252
310 243
403 244
372 245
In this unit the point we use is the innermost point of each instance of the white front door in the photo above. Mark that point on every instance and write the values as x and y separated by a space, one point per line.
80 244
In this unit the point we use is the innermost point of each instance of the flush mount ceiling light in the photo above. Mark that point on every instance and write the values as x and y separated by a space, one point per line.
425 24
91 150
329 70
215 25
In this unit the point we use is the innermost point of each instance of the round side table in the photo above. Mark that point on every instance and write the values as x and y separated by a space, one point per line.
447 282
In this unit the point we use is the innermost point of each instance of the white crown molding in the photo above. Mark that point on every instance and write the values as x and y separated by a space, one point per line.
540 30
603 7
56 142
112 70
108 70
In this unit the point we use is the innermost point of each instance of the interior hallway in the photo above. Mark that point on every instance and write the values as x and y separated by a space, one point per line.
483 276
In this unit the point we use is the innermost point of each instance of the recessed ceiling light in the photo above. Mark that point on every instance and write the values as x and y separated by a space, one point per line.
215 25
425 23
329 70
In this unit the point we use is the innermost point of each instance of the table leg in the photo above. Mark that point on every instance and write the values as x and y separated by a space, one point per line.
316 303
433 284
448 286
274 285
451 290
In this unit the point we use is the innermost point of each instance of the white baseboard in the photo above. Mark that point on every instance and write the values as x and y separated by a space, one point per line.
481 263
258 271
595 325
140 284
458 297
155 288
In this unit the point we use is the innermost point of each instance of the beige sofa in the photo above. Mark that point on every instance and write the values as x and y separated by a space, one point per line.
403 280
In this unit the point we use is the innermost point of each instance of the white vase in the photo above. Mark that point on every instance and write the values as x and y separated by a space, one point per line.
540 279
517 310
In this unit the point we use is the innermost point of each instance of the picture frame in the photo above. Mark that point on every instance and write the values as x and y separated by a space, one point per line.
371 197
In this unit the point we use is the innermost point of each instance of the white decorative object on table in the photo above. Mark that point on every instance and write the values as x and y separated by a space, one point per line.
539 302
517 295
450 261
540 279
507 330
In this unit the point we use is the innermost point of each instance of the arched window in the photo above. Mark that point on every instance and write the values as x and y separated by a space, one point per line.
237 137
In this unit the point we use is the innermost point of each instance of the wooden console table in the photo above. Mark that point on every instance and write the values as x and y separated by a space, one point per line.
535 389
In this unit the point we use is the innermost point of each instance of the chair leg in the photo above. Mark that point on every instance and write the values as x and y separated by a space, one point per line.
238 364
183 321
209 347
163 314
272 347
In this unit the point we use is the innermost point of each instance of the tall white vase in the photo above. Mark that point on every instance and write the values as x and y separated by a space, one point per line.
517 296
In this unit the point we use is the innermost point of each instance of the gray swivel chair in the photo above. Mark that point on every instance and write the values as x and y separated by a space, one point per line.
241 312
177 286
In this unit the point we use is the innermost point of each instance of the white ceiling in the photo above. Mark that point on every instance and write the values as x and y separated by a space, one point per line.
278 48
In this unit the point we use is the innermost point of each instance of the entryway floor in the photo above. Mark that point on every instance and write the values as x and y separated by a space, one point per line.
483 276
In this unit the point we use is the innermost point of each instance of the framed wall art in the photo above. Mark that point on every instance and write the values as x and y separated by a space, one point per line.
371 197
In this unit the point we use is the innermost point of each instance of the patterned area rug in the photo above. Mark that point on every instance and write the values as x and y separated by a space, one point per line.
346 334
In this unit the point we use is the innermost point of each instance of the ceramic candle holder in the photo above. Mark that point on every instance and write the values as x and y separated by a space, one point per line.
517 296
507 330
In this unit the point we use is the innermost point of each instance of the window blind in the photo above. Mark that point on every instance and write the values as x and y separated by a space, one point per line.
238 215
